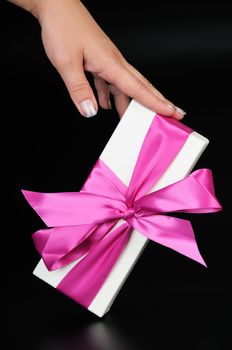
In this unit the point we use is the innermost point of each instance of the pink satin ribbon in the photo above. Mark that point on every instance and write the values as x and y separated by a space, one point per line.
83 222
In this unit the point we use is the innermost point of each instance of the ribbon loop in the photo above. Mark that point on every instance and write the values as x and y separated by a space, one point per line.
74 208
193 194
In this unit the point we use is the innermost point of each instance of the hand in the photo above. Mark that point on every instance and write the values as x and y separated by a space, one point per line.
75 43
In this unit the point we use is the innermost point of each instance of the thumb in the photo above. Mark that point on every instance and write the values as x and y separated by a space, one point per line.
80 90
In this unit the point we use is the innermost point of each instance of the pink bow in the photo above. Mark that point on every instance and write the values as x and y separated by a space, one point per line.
83 222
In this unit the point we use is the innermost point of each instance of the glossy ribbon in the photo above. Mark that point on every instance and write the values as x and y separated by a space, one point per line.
82 223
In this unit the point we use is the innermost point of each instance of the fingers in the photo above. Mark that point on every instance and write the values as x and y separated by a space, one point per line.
121 100
79 89
137 89
145 81
103 92
136 86
125 81
179 113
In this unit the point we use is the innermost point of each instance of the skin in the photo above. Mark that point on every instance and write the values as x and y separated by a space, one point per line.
75 43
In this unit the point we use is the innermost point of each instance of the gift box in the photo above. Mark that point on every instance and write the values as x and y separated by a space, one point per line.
95 236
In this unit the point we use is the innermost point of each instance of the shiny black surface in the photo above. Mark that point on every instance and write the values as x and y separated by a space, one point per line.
168 302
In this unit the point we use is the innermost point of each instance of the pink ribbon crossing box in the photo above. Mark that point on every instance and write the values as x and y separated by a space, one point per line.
95 236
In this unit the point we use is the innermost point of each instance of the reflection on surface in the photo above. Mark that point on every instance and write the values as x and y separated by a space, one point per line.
100 335
177 321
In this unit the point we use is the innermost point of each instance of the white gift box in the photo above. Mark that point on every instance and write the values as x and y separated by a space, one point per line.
129 135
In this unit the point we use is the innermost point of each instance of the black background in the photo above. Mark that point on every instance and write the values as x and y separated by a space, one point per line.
168 301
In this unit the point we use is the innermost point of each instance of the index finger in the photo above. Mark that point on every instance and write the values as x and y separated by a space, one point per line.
134 87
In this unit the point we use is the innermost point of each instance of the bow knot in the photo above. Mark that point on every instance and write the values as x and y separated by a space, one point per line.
128 212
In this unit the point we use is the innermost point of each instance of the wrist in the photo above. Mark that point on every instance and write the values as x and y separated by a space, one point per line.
27 5
41 8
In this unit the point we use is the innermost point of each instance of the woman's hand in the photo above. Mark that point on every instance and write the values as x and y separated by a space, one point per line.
75 43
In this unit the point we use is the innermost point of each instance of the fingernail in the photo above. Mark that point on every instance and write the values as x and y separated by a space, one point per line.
88 108
180 110
172 107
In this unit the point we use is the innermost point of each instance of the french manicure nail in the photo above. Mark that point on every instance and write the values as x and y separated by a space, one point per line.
88 108
180 110
172 107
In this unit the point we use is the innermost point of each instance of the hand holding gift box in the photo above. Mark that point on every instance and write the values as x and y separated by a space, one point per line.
95 233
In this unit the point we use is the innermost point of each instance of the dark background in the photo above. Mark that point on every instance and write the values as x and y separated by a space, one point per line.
168 301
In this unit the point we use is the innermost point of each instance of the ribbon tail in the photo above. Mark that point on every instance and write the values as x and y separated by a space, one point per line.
60 246
85 279
171 232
